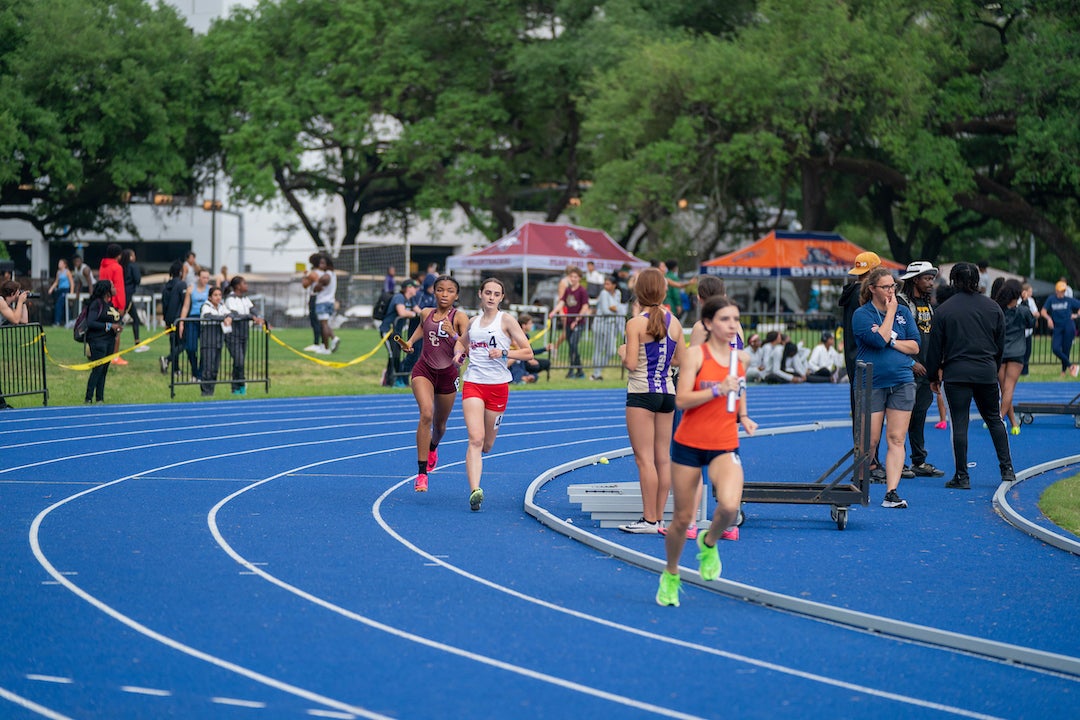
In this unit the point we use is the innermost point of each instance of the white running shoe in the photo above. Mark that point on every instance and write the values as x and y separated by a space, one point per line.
312 348
334 343
641 527
142 348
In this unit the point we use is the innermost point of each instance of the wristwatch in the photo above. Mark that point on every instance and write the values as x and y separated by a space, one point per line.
505 354
892 339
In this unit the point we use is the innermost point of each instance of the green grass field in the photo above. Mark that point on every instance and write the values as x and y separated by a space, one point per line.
1061 503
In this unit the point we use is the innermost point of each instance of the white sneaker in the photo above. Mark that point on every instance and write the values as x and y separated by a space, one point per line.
322 350
142 348
334 343
312 348
641 527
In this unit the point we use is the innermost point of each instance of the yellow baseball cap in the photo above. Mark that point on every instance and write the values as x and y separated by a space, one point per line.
864 263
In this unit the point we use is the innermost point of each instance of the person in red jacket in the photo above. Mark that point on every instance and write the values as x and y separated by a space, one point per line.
112 271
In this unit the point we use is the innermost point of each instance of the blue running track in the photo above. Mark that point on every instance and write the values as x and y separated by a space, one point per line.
269 559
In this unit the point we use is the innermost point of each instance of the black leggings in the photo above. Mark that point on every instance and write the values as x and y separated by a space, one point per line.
960 395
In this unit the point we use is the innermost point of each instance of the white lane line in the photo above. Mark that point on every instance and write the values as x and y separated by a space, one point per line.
813 677
764 664
419 639
49 678
330 714
31 705
35 544
238 703
153 692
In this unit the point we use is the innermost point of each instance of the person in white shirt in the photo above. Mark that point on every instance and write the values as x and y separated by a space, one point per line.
605 326
825 364
322 280
755 370
594 279
1027 299
241 309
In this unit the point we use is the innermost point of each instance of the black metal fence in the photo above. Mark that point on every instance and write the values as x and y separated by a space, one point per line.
22 362
206 352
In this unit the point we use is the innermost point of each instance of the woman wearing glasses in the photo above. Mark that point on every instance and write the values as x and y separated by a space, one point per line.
886 335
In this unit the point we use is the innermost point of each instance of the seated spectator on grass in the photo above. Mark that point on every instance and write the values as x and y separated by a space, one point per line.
825 363
528 371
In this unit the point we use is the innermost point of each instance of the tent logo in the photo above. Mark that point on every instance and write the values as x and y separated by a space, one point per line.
578 245
820 256
508 242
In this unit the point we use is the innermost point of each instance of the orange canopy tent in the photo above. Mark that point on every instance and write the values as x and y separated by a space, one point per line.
791 255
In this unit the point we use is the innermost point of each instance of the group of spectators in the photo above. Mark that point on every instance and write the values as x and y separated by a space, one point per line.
208 314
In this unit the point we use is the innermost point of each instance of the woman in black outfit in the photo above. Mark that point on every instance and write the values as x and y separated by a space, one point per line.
965 349
103 325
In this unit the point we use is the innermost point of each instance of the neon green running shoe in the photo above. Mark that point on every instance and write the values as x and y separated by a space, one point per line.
668 592
708 559
476 499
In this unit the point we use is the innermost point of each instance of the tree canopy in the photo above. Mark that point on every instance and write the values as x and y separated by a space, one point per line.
682 124
99 99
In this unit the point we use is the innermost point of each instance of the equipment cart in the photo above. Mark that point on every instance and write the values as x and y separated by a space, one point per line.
1028 410
844 484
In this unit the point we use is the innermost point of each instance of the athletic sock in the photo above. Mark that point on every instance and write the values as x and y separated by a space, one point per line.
421 467
431 447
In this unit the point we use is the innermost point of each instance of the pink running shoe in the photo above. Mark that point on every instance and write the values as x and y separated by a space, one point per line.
691 532
421 483
432 459
943 425
732 533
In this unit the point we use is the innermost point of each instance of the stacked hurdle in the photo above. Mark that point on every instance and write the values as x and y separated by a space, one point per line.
614 504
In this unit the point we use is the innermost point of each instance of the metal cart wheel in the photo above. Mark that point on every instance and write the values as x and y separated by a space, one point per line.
1026 418
839 515
1076 421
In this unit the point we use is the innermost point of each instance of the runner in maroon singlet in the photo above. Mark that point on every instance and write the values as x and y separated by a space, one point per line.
435 375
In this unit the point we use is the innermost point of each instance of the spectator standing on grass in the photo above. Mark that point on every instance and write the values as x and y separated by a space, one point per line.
654 345
113 271
13 311
917 293
190 272
389 281
132 281
965 350
574 301
434 378
83 276
103 326
673 298
887 336
313 317
493 337
397 318
212 337
1018 320
594 279
241 309
59 290
605 330
197 295
172 307
712 395
322 280
1060 312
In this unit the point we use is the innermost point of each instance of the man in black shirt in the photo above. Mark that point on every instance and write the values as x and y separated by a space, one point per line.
918 288
965 349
